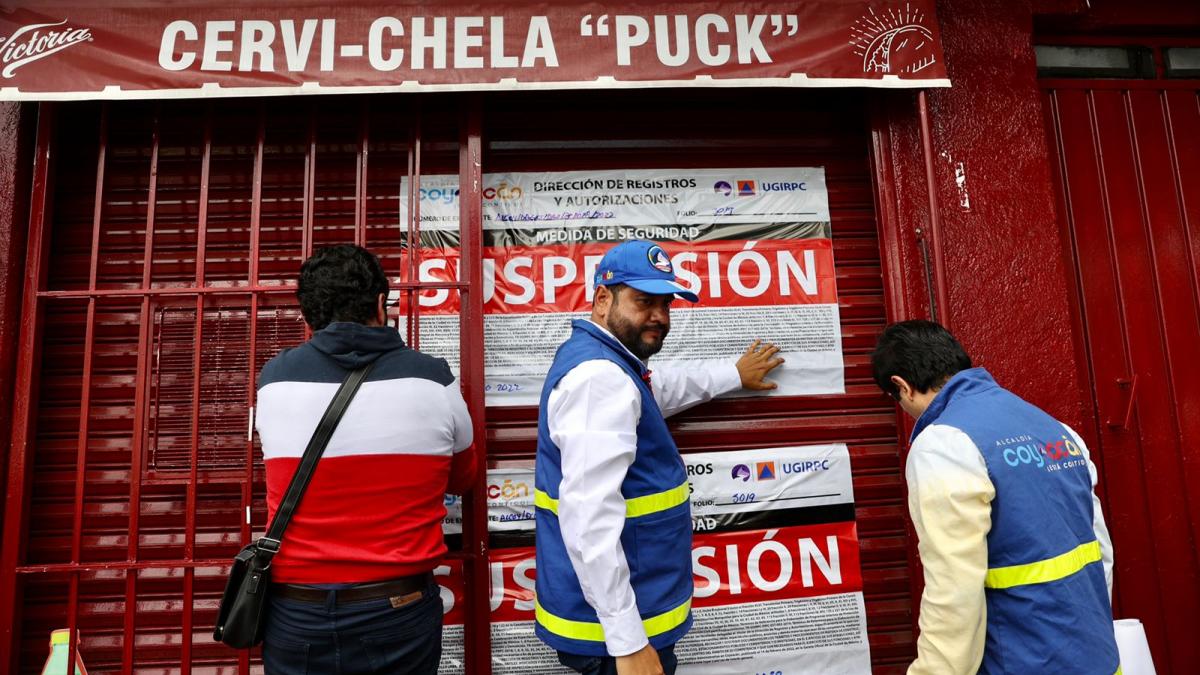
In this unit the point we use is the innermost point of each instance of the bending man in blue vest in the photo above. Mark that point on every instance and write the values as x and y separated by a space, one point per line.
614 526
1018 562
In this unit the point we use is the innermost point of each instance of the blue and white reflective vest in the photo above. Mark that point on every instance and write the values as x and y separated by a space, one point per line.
1047 599
657 538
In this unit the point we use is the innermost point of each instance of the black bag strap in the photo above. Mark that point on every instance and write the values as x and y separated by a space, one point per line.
268 546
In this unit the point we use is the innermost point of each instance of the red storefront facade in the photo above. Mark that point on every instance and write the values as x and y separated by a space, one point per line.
1050 221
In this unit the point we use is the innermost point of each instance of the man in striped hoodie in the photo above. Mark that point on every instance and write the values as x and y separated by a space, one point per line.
354 591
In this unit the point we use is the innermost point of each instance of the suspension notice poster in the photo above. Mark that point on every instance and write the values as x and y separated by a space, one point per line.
775 562
754 244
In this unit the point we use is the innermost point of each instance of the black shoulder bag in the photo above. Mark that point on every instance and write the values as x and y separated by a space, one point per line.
240 617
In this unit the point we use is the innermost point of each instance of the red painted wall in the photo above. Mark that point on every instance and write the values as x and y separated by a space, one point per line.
16 136
1008 281
1175 17
1011 294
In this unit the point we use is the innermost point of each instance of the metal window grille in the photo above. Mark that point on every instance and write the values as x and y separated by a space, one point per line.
224 405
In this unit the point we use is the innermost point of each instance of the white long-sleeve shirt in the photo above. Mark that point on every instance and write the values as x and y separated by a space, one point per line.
950 499
592 416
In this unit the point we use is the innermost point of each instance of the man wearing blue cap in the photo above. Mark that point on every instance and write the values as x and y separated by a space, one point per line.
614 527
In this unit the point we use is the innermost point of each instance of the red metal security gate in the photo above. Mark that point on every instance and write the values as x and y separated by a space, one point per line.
164 247
751 128
223 202
1130 193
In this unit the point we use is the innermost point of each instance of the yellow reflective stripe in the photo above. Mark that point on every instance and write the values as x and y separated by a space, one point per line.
1118 671
1051 569
576 630
634 507
667 621
659 501
594 632
545 501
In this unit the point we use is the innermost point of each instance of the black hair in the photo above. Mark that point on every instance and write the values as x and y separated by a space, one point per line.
923 353
616 289
340 283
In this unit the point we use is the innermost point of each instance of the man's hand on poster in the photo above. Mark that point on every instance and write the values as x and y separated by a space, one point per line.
754 365
644 661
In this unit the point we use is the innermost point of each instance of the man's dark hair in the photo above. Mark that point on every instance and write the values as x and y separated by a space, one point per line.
616 289
340 283
923 353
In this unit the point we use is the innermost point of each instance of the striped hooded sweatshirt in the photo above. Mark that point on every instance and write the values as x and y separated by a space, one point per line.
374 508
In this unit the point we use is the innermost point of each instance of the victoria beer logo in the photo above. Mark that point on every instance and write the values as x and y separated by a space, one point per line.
36 41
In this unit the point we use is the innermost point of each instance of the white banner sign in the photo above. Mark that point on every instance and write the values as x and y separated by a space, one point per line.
775 558
754 243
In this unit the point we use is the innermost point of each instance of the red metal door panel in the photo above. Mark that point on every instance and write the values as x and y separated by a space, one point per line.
1130 199
1155 427
1182 118
1118 456
1166 191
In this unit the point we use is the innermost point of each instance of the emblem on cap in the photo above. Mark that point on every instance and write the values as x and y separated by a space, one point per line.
658 258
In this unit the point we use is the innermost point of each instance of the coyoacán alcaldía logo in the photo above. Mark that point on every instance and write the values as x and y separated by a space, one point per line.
38 40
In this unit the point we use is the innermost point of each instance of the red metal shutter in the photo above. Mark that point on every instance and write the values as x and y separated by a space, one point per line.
277 178
567 131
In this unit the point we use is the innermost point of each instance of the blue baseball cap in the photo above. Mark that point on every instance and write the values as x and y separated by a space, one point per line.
643 265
